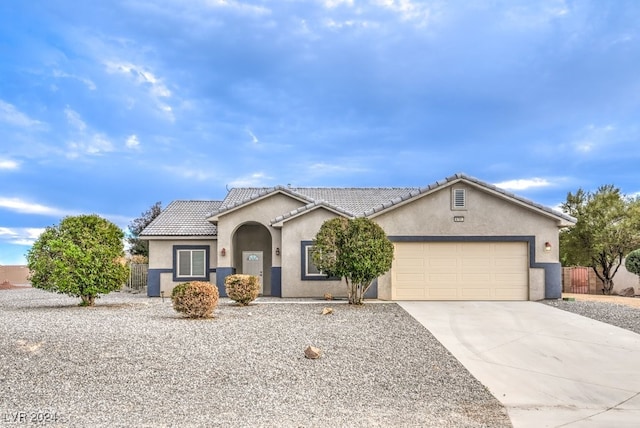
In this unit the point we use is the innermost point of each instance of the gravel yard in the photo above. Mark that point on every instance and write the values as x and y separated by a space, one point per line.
605 309
132 361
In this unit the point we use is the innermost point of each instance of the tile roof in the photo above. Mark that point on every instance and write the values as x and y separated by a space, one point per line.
184 218
352 201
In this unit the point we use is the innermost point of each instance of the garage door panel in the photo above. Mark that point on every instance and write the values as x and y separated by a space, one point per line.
411 294
510 294
412 277
476 293
442 277
441 294
407 261
461 271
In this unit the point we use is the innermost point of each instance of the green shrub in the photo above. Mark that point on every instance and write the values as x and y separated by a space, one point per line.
243 289
632 263
82 257
195 299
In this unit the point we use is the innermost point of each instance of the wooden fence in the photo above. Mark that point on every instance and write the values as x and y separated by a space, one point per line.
138 276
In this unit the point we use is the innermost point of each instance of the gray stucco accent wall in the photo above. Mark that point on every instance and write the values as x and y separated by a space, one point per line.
276 281
153 281
222 273
552 271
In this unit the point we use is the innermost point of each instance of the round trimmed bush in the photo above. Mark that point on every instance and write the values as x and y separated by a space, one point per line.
632 262
195 299
243 289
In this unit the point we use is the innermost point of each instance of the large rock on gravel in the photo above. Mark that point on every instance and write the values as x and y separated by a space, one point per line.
627 292
312 353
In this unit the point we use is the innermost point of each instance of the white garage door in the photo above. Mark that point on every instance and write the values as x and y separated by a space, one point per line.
460 271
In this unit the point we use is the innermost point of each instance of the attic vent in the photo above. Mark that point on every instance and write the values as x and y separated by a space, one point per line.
459 199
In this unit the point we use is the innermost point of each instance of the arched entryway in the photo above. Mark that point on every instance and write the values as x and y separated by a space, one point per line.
252 252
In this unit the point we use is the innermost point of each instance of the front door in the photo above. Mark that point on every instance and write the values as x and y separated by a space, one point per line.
252 265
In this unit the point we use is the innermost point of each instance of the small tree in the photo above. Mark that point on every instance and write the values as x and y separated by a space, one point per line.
357 250
607 228
81 257
632 262
137 245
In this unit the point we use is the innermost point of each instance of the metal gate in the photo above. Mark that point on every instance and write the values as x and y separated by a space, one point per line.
579 277
137 276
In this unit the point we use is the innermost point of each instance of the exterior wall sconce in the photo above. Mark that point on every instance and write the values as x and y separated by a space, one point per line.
277 251
223 252
547 246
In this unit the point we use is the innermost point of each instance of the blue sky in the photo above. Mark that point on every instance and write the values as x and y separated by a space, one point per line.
107 107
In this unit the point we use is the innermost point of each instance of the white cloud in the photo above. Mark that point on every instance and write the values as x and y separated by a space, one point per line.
11 115
74 119
523 183
535 15
8 164
330 4
325 168
133 142
144 77
594 137
239 6
25 207
330 23
88 82
191 172
23 236
7 231
257 179
408 10
254 139
85 141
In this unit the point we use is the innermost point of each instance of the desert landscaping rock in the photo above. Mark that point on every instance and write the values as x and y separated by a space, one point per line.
312 353
627 292
623 316
134 361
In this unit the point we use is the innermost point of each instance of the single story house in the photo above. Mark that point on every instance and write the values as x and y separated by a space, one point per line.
456 239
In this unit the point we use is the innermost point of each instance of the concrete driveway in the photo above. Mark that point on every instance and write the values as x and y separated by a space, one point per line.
550 368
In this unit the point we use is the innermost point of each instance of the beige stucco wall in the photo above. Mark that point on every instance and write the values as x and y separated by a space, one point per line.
261 211
161 257
625 279
536 284
161 251
304 228
486 214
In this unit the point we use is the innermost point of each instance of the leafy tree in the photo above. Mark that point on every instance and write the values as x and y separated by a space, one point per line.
607 228
632 262
83 256
137 245
355 249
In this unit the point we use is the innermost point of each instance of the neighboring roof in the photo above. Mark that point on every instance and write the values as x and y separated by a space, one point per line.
184 218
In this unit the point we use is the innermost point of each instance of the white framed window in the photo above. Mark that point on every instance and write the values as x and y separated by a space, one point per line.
311 268
458 199
190 262
309 271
